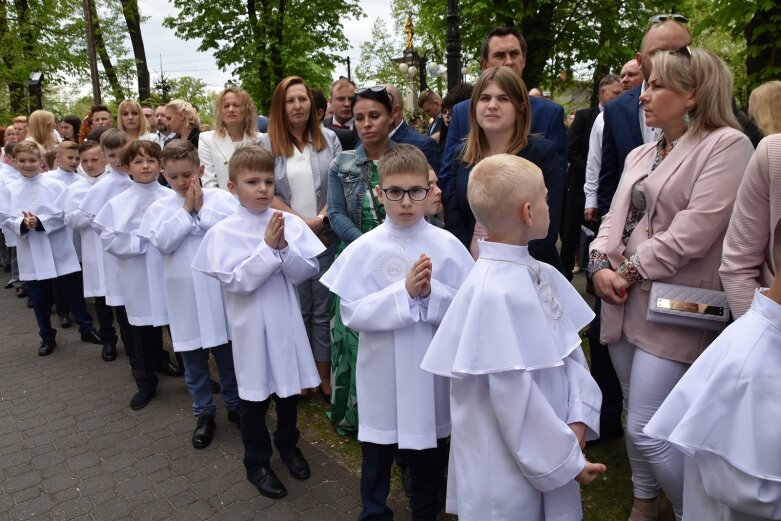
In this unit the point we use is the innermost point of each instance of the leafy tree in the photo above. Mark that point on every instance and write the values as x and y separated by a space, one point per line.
265 40
376 62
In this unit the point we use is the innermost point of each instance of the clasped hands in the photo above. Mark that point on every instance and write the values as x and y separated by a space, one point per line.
30 220
418 281
610 286
275 232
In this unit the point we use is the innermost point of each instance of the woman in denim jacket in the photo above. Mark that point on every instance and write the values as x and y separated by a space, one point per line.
353 209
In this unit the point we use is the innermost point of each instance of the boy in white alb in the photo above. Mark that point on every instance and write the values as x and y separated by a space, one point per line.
522 401
259 271
9 174
140 264
395 284
93 163
67 163
723 415
45 251
175 225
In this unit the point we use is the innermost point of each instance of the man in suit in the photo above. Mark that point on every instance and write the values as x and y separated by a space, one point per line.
504 46
342 92
578 138
431 103
402 133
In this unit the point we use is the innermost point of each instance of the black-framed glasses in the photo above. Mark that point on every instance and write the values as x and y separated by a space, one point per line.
376 89
397 194
661 18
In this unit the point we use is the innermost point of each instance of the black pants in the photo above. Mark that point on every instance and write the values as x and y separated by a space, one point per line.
125 332
427 467
105 317
69 286
605 375
255 435
145 338
570 229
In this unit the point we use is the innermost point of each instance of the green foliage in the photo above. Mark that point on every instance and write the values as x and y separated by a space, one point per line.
263 42
189 89
377 54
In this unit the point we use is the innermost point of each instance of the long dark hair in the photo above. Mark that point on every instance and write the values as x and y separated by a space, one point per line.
75 122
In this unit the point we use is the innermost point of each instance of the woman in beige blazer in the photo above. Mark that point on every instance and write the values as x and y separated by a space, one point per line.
235 126
666 223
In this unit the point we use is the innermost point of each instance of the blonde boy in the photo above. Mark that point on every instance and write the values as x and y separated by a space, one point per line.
521 396
67 162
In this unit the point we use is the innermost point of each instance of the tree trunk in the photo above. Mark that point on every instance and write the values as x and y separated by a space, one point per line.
259 41
537 29
763 66
105 59
133 21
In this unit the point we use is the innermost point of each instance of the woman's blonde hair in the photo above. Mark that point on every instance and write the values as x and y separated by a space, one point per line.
250 112
704 73
282 139
508 80
133 106
764 107
183 107
39 129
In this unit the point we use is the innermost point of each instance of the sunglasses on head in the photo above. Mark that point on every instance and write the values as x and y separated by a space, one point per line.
684 51
661 18
376 89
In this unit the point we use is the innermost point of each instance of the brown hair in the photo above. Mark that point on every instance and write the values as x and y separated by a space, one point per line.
27 146
254 158
88 144
113 138
476 147
181 149
137 148
426 96
282 139
338 83
49 156
68 145
250 112
403 159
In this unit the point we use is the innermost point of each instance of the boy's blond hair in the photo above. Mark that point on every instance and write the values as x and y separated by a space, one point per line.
498 185
67 145
139 147
403 159
252 158
181 149
113 139
27 146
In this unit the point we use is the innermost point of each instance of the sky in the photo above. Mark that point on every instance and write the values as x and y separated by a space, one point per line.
180 57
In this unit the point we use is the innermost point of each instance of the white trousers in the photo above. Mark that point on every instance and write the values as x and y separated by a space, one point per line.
646 380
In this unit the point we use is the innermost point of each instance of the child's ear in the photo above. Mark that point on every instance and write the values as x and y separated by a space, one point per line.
200 170
380 194
232 187
525 212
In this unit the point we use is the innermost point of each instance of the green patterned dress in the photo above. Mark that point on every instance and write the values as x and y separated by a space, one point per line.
344 341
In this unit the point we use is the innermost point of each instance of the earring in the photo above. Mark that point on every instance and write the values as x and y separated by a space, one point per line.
687 119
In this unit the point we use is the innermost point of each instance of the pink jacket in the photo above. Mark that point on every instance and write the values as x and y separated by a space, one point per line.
689 199
747 263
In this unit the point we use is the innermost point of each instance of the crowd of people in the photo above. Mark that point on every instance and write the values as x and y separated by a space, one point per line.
413 279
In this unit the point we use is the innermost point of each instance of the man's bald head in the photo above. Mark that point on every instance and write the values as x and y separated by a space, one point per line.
631 75
398 103
665 36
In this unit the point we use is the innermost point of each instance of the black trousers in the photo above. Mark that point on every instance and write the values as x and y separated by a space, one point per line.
255 435
145 338
105 317
570 229
41 292
427 468
125 332
605 375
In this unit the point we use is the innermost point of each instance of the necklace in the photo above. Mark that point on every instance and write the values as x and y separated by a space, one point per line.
403 244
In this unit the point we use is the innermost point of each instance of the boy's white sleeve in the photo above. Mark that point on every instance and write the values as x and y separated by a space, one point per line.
585 398
123 245
435 306
384 310
545 448
52 222
295 267
77 220
249 274
166 233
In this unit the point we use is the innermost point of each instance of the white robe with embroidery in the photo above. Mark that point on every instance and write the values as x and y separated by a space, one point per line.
139 264
518 377
44 254
91 248
271 349
724 416
110 185
8 174
398 402
196 310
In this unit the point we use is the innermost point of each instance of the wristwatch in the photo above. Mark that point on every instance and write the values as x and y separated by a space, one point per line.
324 219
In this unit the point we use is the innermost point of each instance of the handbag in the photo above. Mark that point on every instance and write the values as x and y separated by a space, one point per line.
686 306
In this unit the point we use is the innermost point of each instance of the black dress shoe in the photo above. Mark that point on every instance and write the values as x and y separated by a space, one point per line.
9 284
91 337
204 431
296 463
142 398
65 322
169 369
109 352
46 347
267 482
406 480
234 416
216 387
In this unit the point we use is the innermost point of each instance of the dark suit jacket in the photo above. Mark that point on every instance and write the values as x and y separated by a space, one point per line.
547 121
577 150
435 126
428 146
621 135
460 220
348 138
262 124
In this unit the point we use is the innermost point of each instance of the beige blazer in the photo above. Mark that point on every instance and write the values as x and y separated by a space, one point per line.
689 199
215 152
747 260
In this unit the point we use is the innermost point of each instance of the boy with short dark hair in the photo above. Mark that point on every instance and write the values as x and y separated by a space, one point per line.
259 271
67 163
395 284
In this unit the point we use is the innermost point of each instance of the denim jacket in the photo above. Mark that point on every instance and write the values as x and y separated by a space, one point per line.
348 180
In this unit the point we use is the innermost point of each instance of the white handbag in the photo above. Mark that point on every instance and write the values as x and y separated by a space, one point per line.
687 306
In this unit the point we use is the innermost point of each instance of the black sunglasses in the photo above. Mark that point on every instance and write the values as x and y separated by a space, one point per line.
684 51
376 89
661 18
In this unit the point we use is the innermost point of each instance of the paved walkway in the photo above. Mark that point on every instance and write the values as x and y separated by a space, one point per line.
71 447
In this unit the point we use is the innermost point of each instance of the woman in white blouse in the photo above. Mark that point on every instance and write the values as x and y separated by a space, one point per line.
235 125
131 119
303 150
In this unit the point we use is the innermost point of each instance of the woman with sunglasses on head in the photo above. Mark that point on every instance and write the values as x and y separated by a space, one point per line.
500 121
354 209
303 151
666 224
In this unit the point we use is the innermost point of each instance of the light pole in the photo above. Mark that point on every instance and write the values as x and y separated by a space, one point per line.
453 45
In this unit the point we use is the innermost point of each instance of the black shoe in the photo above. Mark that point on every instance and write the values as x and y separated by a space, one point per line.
169 369
91 337
109 352
9 284
204 431
216 387
234 416
142 398
296 463
65 322
46 347
267 482
406 480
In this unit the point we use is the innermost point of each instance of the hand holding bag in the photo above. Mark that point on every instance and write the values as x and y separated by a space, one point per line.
687 306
